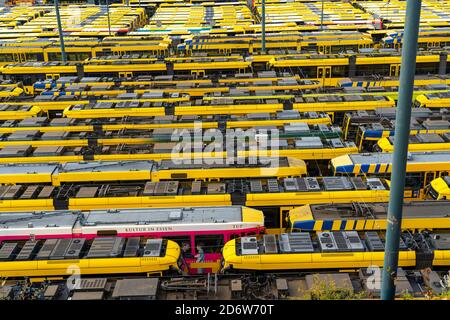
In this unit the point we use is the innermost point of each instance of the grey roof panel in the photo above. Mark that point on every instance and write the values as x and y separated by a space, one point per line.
107 166
164 215
413 157
63 219
35 168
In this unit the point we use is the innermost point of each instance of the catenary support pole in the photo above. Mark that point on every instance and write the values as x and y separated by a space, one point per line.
263 25
402 129
109 19
321 17
60 32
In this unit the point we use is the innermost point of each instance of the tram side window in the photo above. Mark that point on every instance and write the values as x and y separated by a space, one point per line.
210 243
183 242
427 68
101 74
28 80
71 56
339 71
54 56
310 48
6 57
370 69
33 57
343 48
309 72
422 45
414 180
79 56
103 53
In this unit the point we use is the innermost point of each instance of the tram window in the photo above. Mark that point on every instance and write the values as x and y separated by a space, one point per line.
28 80
179 239
182 241
32 57
210 243
6 57
339 71
427 68
79 56
309 72
71 56
103 53
312 47
370 69
422 45
343 48
103 74
414 180
107 233
54 56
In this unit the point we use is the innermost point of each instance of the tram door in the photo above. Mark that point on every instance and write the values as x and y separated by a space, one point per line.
198 73
52 76
19 57
125 74
395 70
325 49
324 73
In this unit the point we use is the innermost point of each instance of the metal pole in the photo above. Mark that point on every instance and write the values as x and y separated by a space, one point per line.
109 21
61 36
263 25
321 18
402 129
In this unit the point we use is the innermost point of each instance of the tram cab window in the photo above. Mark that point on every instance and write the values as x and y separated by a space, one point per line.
367 70
210 243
